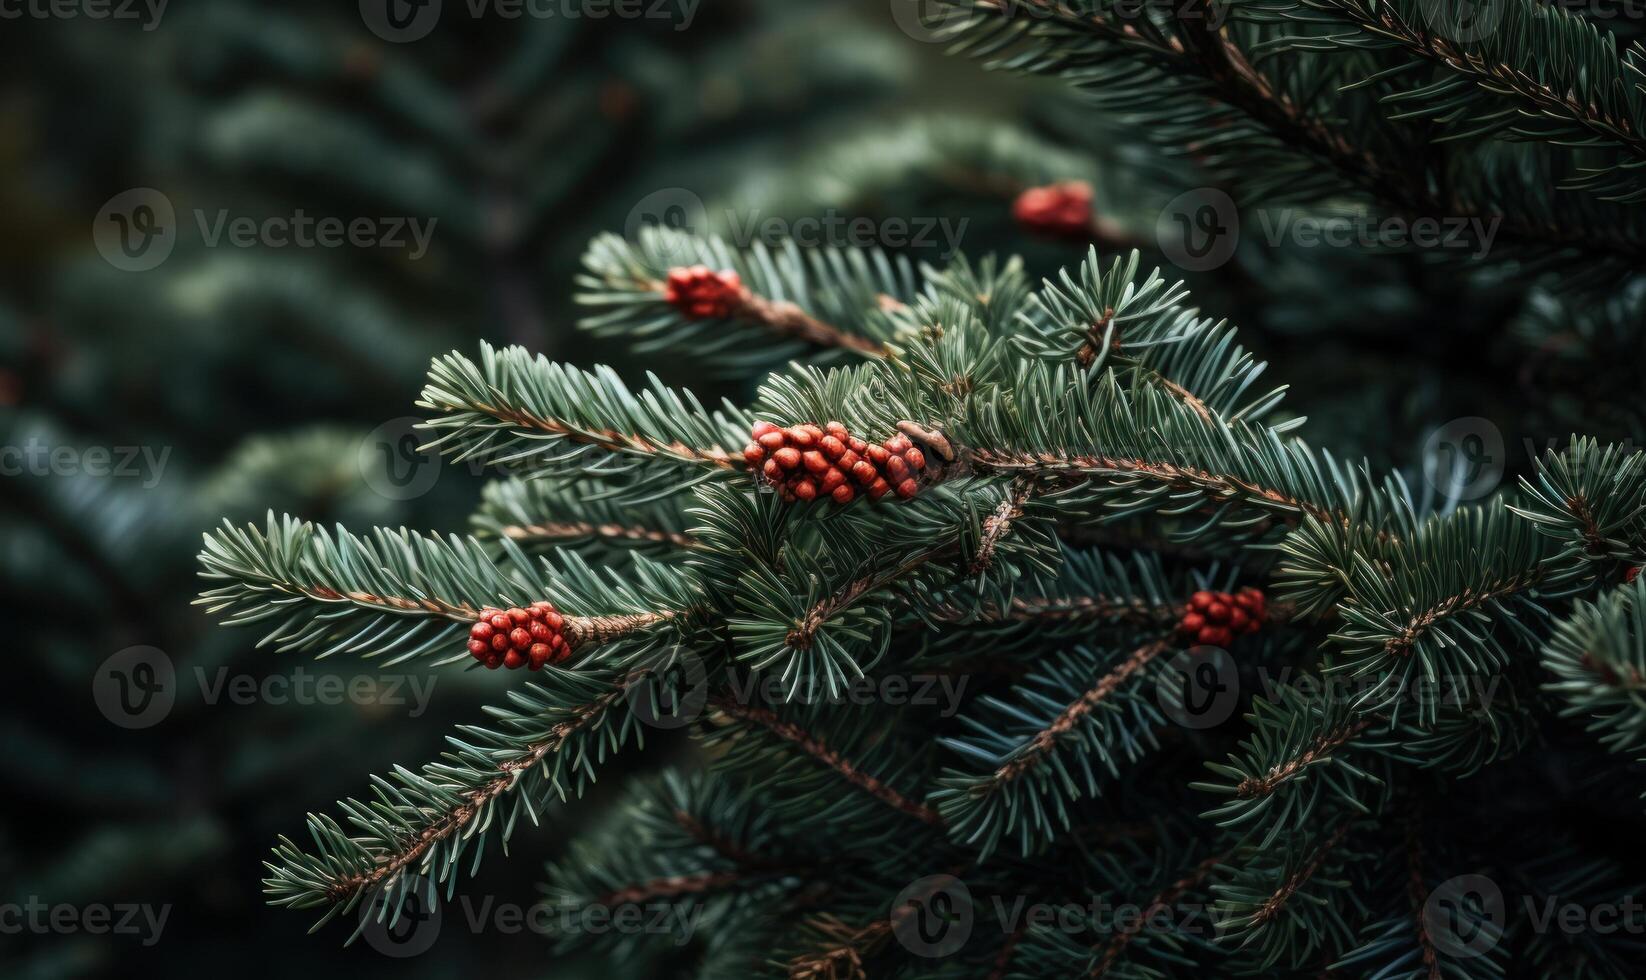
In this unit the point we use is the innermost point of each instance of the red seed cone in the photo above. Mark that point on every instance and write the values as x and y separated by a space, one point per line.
1216 618
703 294
1062 209
805 462
518 637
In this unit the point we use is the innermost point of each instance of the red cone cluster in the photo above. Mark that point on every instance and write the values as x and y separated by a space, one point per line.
703 294
1216 618
805 462
1630 575
519 637
1056 209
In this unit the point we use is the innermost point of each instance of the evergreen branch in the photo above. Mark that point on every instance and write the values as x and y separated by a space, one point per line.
1598 658
543 515
1504 80
795 303
513 409
1040 751
1147 329
817 750
1278 910
1300 759
1046 739
1283 136
1161 902
1591 500
1296 879
422 822
404 595
1417 895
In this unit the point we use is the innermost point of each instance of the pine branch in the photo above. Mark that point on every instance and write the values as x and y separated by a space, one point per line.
817 750
423 822
405 595
543 515
1027 759
794 302
515 410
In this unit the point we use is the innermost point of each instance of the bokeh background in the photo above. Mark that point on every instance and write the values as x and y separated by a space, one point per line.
143 402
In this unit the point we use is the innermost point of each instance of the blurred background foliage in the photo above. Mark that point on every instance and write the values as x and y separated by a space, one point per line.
280 378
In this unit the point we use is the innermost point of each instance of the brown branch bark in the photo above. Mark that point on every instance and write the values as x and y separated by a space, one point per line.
815 748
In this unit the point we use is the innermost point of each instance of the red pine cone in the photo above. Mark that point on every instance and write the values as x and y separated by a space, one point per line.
1216 618
518 637
805 462
703 294
1630 575
1063 209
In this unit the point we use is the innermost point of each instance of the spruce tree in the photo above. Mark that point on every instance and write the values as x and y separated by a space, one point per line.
1218 698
